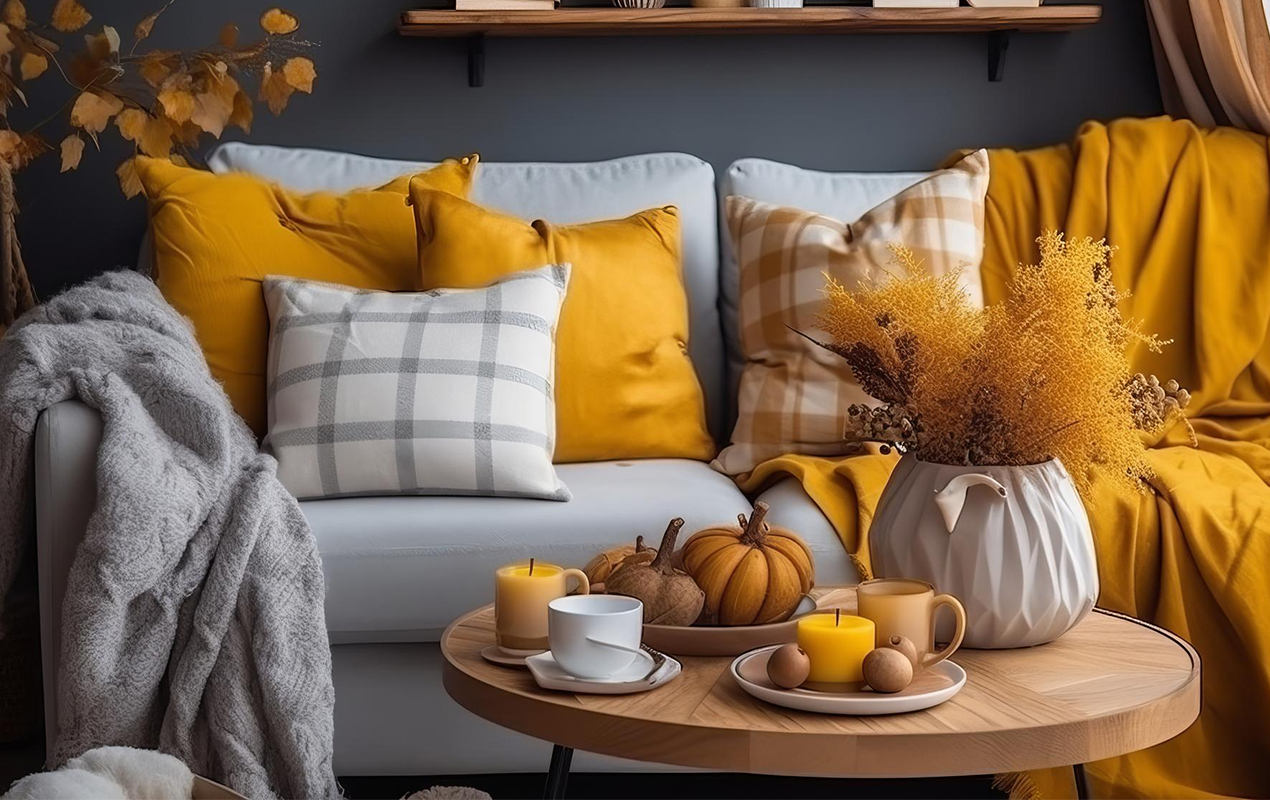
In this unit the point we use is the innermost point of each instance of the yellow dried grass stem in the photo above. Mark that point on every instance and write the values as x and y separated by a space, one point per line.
1043 374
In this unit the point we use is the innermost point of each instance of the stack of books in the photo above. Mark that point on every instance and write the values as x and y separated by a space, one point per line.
504 5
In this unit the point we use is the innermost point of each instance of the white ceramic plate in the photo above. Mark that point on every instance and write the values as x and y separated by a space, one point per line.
550 675
931 687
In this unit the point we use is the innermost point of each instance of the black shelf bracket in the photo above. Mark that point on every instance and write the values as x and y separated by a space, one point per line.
998 43
476 60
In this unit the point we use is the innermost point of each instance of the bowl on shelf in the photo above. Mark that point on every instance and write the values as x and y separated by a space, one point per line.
639 3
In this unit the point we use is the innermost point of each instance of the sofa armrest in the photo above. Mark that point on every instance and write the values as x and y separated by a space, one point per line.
67 436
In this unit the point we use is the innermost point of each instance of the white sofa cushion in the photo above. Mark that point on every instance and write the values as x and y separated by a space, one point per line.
563 193
449 392
841 195
400 569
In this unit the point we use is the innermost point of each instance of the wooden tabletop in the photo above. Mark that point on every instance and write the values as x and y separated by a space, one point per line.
1110 686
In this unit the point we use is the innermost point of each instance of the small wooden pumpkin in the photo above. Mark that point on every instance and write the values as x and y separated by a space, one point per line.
605 564
753 574
670 597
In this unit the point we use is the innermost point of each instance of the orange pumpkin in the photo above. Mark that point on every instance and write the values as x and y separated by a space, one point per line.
752 574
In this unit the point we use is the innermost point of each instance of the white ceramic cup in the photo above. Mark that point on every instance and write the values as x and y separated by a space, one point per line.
573 620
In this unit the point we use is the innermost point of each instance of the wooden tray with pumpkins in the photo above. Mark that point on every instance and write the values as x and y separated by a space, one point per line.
728 590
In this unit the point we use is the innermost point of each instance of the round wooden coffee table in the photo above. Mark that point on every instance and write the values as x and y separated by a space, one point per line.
1110 686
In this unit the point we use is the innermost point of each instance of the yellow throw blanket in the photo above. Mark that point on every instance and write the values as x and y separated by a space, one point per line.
1189 211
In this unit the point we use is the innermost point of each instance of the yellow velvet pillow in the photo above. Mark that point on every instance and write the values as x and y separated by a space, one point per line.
217 236
625 386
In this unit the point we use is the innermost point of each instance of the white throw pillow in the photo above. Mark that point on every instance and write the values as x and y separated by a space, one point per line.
447 392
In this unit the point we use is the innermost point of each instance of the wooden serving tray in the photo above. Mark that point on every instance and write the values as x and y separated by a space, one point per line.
712 640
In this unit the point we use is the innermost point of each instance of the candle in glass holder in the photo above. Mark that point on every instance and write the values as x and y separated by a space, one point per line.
836 645
521 595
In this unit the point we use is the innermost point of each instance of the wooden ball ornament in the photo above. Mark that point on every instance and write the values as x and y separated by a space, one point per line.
887 670
904 645
788 666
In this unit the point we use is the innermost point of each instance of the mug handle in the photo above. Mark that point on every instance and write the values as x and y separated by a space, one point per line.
960 613
584 585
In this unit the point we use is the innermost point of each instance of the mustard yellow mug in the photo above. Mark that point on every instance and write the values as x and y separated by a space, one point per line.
906 607
521 595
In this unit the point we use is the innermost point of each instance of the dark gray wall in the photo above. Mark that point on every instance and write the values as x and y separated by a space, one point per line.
833 102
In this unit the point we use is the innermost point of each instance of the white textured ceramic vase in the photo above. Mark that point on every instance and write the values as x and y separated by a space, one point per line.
1012 543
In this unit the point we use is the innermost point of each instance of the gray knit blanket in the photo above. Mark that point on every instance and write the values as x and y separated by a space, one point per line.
193 616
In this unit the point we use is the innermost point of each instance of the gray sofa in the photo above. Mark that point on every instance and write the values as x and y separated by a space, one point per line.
399 569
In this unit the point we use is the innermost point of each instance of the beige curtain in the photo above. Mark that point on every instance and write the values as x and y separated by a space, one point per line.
1213 58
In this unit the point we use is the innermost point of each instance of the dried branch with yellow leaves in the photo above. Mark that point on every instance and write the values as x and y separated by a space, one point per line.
163 101
1043 374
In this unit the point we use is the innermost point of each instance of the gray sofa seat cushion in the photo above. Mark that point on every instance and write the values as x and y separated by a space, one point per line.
400 569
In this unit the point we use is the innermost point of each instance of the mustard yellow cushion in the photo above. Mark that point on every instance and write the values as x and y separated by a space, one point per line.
217 236
625 386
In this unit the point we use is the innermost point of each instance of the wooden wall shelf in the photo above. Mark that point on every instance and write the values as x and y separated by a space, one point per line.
998 23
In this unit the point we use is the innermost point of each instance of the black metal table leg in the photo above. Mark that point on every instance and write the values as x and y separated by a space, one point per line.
1078 772
558 775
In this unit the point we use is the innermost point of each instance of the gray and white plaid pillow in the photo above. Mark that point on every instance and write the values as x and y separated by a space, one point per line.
446 392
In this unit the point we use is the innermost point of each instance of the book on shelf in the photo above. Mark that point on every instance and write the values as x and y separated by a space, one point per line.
504 5
916 3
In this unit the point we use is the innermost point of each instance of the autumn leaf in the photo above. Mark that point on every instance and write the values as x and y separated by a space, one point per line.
33 65
152 135
112 37
9 144
156 137
156 67
14 14
229 36
92 111
72 152
131 122
6 44
18 151
213 107
101 46
274 89
243 112
69 16
277 21
179 160
300 73
176 99
187 133
33 146
129 181
146 26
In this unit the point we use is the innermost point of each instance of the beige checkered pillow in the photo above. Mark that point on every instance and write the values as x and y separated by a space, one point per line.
794 395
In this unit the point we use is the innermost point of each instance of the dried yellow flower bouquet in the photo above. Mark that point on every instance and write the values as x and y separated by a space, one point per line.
1043 374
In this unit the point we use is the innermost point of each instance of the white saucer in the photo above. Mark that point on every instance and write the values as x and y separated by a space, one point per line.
550 675
931 687
495 655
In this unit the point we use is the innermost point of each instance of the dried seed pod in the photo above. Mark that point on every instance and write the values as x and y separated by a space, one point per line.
605 564
670 597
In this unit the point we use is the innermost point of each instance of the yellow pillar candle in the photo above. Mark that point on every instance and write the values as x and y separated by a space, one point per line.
836 644
521 595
